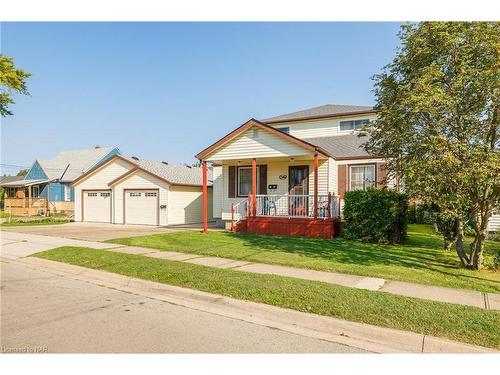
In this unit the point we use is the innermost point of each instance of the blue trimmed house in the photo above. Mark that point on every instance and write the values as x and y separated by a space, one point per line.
45 188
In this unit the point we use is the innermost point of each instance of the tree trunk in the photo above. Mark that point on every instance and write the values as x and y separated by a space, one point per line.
459 245
477 251
481 220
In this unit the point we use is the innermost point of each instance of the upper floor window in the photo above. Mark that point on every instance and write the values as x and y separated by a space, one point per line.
285 129
362 177
353 124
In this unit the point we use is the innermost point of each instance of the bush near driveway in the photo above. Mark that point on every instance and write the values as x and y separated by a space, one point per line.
375 215
27 221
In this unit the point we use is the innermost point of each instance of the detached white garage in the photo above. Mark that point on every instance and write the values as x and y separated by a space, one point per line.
143 192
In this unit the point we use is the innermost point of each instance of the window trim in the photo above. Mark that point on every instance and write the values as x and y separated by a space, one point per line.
238 180
281 129
67 193
373 165
354 124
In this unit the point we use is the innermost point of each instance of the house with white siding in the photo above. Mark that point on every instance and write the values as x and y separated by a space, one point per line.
129 190
288 174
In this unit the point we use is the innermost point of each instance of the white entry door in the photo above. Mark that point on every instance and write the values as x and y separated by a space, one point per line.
97 206
141 207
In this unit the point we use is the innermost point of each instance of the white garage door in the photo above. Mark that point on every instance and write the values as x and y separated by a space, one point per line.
141 207
97 206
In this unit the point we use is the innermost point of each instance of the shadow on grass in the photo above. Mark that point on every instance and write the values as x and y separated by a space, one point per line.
422 251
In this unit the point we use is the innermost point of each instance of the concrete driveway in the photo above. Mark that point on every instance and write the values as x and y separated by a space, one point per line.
92 231
18 245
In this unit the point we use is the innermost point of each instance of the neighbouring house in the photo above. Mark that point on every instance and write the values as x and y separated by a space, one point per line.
3 180
129 190
288 174
46 187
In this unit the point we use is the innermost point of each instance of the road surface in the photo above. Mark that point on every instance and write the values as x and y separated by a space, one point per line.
42 312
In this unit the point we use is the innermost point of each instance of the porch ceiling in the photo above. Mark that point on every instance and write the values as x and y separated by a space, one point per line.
21 183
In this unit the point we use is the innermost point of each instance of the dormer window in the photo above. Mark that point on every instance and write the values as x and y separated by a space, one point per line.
353 124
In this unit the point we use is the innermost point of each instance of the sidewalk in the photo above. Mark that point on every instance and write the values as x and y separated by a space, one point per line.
489 301
364 336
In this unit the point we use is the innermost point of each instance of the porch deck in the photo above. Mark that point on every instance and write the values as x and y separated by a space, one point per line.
26 206
287 215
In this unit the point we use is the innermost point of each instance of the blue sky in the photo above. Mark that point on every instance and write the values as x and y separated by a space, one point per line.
165 91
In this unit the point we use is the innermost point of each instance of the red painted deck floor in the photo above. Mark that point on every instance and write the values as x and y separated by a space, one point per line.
282 226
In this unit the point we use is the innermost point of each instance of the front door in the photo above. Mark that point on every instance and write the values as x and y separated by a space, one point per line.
298 188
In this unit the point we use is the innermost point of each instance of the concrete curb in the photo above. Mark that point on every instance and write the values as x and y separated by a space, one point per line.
364 336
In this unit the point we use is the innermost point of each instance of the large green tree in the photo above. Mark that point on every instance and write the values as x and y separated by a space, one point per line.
12 80
438 106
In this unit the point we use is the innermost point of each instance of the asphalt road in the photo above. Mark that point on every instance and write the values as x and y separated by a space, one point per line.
47 313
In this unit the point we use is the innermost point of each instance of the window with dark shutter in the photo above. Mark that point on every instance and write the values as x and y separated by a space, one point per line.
381 175
232 182
342 180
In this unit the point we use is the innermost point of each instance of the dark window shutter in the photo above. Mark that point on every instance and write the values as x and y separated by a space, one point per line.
262 179
232 182
342 180
381 175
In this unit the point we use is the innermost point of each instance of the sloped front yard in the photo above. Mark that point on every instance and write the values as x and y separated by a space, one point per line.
421 260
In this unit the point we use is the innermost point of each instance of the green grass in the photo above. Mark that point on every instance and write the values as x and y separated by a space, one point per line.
456 322
3 214
47 221
421 260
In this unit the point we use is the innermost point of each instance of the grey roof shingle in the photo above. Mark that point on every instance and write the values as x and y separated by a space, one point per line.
174 173
77 162
6 179
342 146
322 111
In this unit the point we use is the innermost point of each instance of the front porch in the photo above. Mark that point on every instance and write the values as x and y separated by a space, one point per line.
287 215
287 196
26 206
269 182
28 198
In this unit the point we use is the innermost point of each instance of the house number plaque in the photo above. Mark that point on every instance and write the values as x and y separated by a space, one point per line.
282 176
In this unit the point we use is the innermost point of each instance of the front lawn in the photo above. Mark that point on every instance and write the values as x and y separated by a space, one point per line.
421 260
456 322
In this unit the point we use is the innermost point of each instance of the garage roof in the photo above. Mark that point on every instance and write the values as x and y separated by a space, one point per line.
175 174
